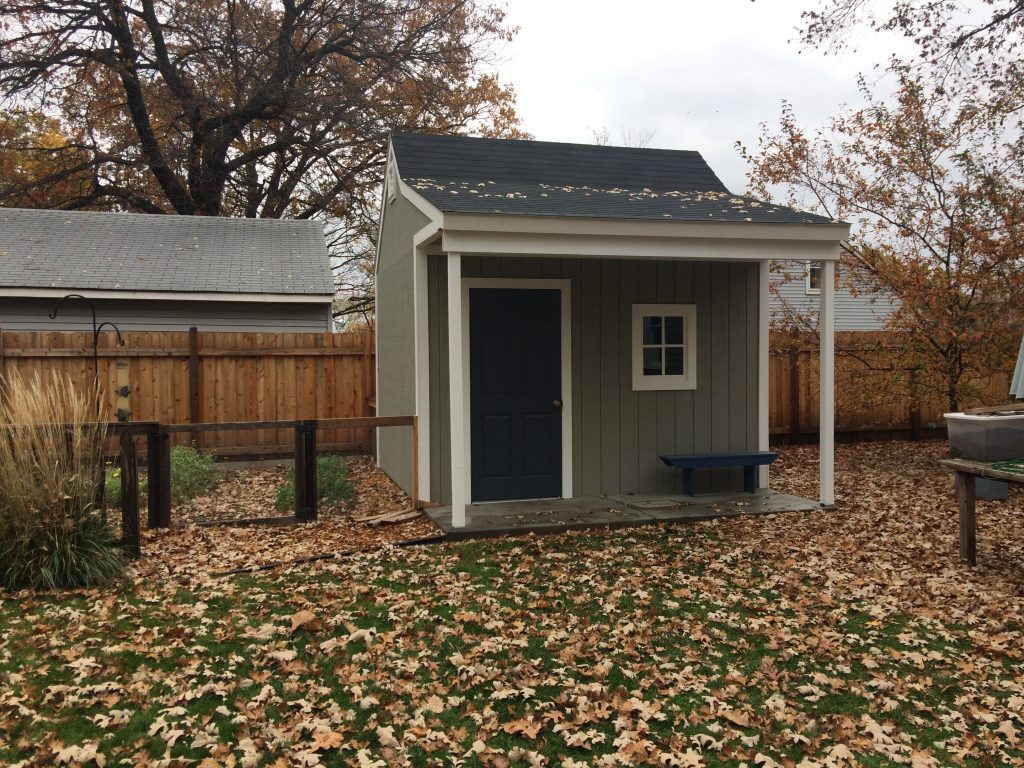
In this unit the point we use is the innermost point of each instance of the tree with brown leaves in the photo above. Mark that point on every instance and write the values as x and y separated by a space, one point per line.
246 107
936 194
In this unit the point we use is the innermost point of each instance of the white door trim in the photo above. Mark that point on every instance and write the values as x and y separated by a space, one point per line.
565 287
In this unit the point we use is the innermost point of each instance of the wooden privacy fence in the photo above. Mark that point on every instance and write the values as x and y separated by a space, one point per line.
193 377
869 401
179 378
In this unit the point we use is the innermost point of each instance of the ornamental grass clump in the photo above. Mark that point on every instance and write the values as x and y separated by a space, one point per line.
53 528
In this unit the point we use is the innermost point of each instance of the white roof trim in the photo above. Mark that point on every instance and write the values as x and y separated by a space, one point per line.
636 247
740 230
516 235
256 298
414 197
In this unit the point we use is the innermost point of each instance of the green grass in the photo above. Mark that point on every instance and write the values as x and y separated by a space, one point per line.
648 641
332 484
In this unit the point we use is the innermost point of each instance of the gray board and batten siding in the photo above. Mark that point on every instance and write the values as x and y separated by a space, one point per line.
618 434
395 333
32 314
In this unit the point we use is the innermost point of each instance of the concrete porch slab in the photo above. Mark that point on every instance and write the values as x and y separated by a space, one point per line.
707 506
536 515
620 511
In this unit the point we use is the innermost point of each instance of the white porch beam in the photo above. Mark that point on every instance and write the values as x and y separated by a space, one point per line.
455 390
763 324
827 391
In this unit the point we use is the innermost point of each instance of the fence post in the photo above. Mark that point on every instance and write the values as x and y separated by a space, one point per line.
158 462
194 382
305 471
129 496
415 462
794 394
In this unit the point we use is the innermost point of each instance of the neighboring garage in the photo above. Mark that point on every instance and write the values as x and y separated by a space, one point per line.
148 272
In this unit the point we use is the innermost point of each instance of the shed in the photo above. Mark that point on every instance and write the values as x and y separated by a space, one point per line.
559 315
147 272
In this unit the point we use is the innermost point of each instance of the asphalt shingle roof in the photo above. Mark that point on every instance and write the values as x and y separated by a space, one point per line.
459 174
84 250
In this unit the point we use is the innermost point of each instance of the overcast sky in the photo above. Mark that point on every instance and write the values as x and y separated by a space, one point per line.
699 74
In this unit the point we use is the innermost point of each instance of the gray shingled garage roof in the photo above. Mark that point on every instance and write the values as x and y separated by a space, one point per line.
143 252
458 174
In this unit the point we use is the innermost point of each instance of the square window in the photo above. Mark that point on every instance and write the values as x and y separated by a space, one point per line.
673 330
674 362
652 330
652 361
664 346
813 277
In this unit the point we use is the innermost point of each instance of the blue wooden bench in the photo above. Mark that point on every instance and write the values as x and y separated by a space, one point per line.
749 461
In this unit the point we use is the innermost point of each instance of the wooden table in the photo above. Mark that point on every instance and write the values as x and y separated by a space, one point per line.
966 473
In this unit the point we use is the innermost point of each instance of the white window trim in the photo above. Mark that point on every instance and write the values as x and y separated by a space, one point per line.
688 380
807 278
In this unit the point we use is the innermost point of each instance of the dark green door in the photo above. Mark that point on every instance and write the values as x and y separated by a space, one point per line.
515 393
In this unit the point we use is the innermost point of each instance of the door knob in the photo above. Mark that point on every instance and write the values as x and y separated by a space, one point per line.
556 403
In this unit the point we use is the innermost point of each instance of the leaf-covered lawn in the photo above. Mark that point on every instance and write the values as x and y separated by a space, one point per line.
845 638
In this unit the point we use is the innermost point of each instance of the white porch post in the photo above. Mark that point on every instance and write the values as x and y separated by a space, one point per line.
827 393
455 390
763 323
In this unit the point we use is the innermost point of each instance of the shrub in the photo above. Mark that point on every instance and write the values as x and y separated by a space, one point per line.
112 490
53 530
192 472
332 483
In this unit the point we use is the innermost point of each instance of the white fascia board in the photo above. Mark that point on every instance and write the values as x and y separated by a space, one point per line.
383 208
722 230
255 298
393 175
639 246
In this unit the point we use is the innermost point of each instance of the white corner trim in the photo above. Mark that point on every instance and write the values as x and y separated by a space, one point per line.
457 389
763 362
421 356
565 288
255 298
827 392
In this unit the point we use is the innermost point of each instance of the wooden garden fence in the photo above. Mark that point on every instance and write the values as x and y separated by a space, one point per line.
192 377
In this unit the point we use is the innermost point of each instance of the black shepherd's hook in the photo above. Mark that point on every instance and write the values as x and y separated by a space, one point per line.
96 329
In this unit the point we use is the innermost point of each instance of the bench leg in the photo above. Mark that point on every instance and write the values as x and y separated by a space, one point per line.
968 526
749 478
688 482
